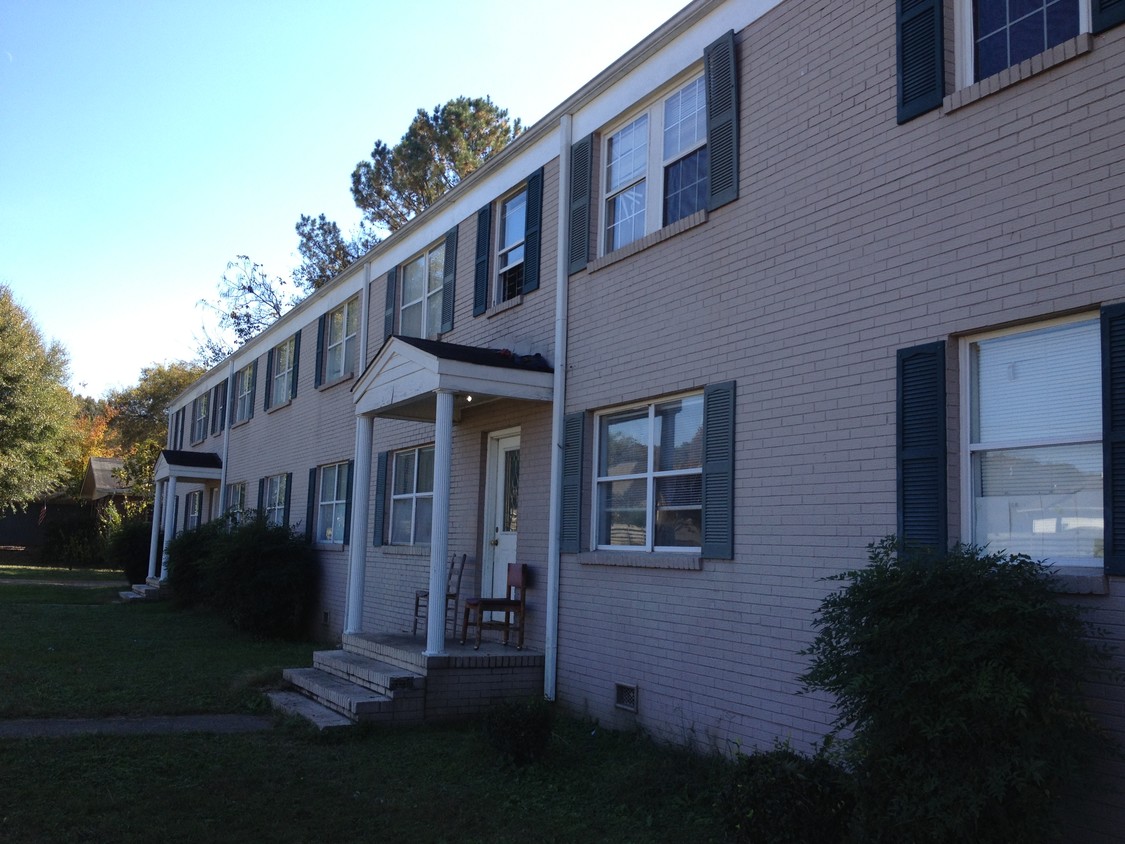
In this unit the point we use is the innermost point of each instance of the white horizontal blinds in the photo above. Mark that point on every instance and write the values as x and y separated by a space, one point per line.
1037 473
1040 386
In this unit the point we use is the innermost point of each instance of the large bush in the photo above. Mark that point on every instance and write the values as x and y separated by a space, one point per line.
959 675
261 577
128 548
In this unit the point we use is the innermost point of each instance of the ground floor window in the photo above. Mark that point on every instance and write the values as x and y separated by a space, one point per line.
649 476
412 496
276 493
236 500
1035 442
333 503
193 507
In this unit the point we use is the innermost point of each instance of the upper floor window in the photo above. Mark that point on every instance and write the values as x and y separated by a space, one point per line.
412 496
199 411
1034 442
244 382
218 407
422 283
1005 32
281 366
510 246
340 340
649 476
176 429
656 166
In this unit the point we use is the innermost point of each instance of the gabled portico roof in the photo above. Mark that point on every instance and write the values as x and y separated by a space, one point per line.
403 378
188 465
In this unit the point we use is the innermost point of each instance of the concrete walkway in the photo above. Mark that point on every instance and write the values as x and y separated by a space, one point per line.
134 726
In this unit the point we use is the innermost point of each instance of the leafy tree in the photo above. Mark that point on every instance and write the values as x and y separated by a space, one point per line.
249 300
37 436
91 426
325 252
438 151
138 428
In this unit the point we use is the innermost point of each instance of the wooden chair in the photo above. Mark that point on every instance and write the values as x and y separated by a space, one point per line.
511 605
452 593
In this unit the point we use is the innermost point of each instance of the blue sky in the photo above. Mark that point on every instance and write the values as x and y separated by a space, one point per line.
143 145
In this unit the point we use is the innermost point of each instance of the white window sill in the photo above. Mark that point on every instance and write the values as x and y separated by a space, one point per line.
327 385
406 551
642 559
274 407
1080 580
501 307
658 236
1060 53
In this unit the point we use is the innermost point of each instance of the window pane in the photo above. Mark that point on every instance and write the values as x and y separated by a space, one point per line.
624 443
425 470
436 268
401 512
1046 502
511 490
433 313
627 154
341 483
513 221
679 434
353 317
679 519
423 520
622 510
1038 385
685 122
413 281
411 322
625 217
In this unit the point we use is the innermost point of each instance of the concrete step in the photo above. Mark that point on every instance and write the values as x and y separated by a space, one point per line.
375 674
349 699
130 595
320 716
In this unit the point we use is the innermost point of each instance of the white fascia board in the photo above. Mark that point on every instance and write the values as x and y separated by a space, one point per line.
664 64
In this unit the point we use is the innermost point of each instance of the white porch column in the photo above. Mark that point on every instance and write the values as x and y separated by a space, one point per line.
157 517
169 524
439 530
357 554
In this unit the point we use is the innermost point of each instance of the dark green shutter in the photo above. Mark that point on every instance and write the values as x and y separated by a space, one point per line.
1107 13
261 496
449 280
310 507
581 182
296 364
348 503
253 387
318 376
921 57
232 398
380 498
718 471
480 272
532 232
288 497
574 425
720 63
921 446
389 305
1113 436
268 391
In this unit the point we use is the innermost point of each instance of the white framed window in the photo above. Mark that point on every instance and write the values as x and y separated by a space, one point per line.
656 165
193 508
997 34
236 500
244 393
412 496
649 476
340 341
1032 441
422 281
333 503
199 412
273 504
510 246
284 359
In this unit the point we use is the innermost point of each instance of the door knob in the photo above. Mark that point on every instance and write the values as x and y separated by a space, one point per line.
494 542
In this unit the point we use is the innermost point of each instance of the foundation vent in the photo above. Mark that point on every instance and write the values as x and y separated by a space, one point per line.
625 697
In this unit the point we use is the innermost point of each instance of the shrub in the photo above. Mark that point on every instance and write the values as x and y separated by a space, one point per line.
520 730
960 676
263 578
128 548
783 797
191 556
71 537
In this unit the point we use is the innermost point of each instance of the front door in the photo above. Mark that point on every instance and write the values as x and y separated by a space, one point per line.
502 514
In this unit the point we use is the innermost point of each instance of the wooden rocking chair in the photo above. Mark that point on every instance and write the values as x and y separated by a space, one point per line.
452 593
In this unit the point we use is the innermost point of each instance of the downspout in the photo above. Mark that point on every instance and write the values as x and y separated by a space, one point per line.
558 408
226 442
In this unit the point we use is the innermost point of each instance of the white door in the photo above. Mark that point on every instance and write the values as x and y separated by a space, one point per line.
502 523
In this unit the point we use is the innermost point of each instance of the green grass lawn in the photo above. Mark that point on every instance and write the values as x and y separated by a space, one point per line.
71 652
55 573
